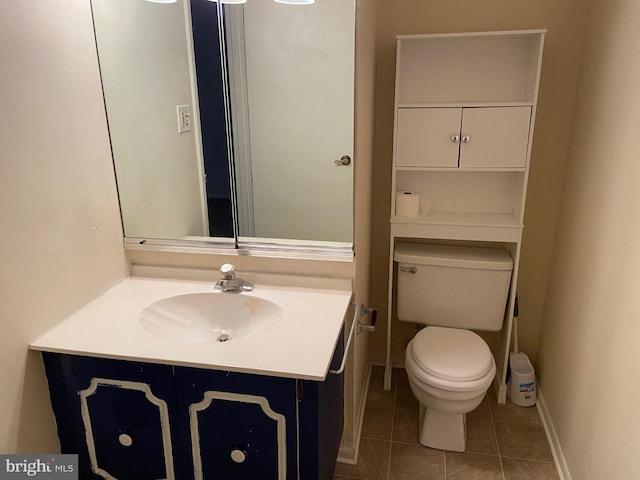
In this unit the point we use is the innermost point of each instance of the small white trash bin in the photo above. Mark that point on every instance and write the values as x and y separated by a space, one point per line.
522 382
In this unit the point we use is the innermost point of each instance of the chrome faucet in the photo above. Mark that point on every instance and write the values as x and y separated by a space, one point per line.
229 282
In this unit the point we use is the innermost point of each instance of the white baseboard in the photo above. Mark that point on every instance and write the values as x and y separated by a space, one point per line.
349 453
552 436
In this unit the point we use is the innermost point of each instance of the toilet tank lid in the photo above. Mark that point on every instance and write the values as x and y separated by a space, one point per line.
453 256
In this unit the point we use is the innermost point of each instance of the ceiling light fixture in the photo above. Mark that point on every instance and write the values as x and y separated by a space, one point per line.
238 2
288 2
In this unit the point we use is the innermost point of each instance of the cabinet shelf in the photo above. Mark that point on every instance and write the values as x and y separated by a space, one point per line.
436 69
489 227
495 227
462 103
482 227
459 169
462 219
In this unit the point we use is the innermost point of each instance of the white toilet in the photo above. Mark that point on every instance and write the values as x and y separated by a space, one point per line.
451 289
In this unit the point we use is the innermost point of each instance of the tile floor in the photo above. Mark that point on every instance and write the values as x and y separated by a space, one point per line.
504 442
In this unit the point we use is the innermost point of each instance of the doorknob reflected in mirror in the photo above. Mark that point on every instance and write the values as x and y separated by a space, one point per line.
343 160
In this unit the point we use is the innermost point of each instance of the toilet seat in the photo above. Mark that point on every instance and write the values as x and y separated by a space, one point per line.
451 359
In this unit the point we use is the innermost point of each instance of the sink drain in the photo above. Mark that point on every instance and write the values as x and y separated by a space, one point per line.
225 337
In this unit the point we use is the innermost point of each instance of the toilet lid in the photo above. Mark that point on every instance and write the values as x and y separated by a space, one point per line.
451 353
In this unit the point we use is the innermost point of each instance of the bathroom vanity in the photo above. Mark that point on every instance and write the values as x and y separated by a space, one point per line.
140 405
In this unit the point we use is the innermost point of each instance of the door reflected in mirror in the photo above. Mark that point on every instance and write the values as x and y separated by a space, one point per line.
230 120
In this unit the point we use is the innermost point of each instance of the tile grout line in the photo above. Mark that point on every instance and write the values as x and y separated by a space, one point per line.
522 459
495 435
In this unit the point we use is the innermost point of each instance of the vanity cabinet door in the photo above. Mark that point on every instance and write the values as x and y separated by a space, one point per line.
238 426
116 415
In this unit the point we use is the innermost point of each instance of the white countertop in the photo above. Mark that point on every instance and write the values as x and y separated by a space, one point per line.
301 345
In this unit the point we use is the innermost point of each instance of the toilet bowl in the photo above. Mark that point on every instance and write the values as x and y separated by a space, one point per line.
449 372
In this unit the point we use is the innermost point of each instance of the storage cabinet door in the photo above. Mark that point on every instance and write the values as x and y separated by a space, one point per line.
238 426
428 137
495 137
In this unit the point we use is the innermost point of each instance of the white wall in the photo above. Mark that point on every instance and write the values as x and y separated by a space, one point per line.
589 360
145 69
300 83
61 241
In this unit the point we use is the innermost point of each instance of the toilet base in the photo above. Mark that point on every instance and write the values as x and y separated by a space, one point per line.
444 431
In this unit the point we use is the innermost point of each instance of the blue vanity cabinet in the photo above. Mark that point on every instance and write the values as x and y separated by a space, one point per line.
118 416
139 421
321 420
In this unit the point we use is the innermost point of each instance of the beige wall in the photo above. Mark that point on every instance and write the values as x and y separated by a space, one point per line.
565 23
61 236
363 160
589 360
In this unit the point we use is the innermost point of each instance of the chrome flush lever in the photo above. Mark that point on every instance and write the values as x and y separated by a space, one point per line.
409 269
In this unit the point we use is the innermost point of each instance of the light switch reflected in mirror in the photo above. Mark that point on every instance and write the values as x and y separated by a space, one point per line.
226 120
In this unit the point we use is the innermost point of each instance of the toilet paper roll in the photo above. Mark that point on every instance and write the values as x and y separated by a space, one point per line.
407 204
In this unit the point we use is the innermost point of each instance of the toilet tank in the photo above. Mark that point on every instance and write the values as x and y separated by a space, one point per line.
452 286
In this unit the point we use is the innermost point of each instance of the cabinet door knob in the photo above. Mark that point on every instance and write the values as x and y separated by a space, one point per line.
466 139
125 440
238 456
455 138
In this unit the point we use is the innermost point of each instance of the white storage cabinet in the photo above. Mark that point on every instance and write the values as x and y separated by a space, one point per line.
465 108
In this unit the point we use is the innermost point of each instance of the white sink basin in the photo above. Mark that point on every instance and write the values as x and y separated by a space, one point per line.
210 317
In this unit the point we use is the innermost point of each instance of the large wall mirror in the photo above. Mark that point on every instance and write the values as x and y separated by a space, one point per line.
229 122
